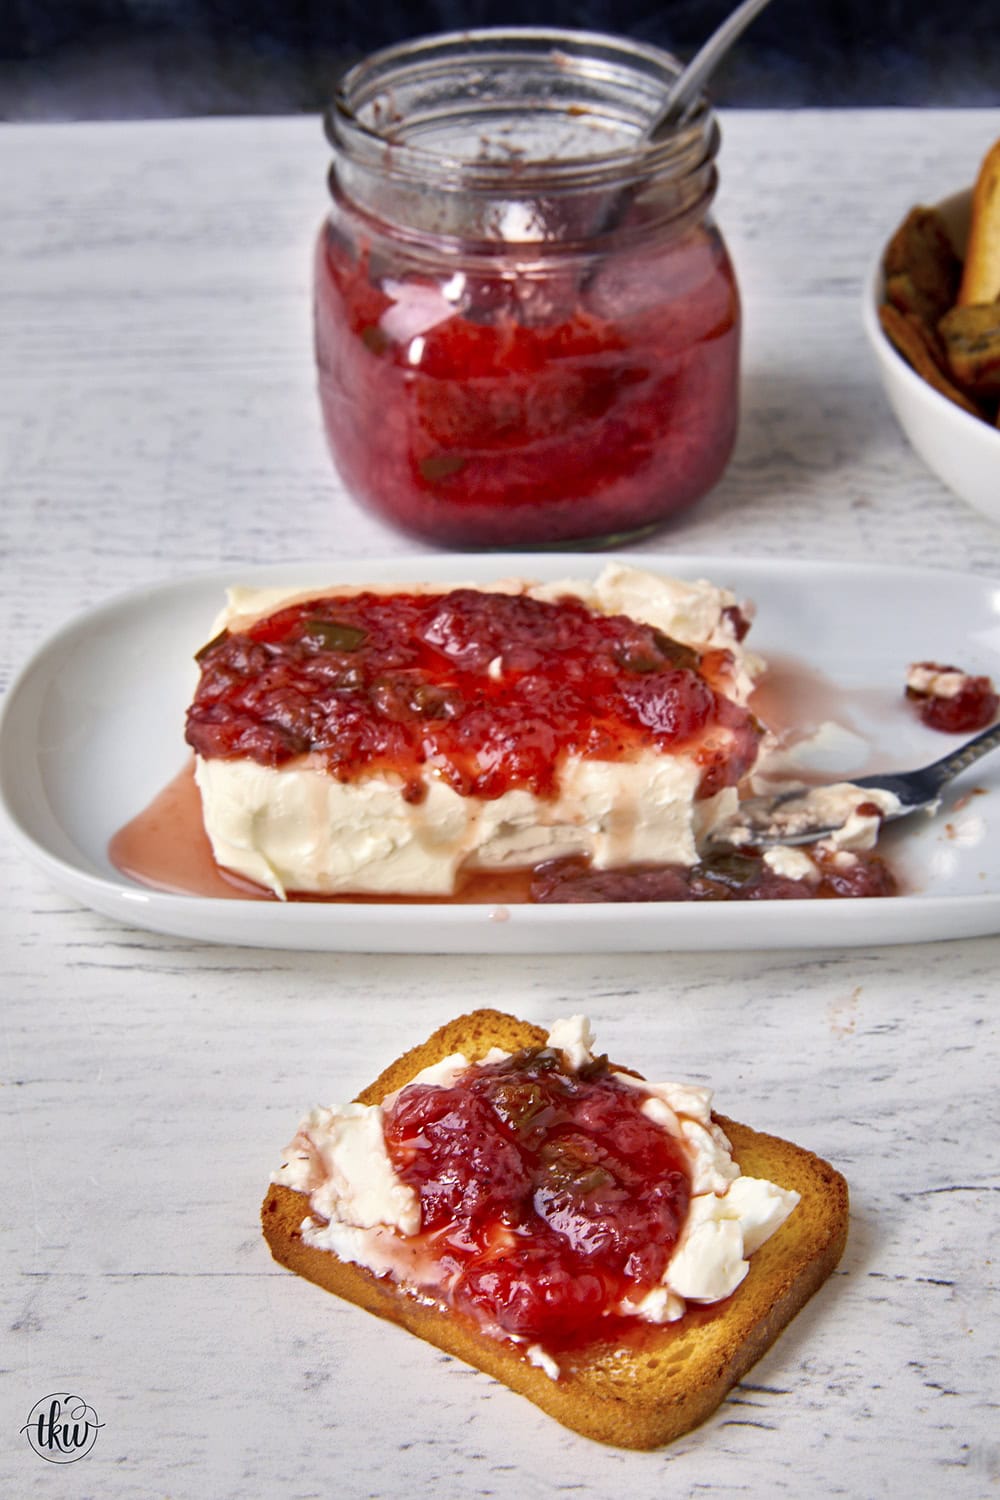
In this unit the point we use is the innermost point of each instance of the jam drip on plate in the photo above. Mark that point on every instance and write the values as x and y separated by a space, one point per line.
487 691
742 875
547 1196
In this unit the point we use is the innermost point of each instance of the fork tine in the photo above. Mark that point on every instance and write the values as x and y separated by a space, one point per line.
765 820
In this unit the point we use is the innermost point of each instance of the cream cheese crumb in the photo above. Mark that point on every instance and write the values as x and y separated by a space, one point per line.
721 1231
359 1186
929 681
792 864
574 1038
536 1355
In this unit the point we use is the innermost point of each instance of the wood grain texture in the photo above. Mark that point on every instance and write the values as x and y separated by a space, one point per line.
157 417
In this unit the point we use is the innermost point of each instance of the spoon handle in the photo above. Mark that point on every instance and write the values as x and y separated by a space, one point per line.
689 81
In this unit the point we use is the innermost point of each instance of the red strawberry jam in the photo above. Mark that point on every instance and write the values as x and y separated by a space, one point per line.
487 691
530 410
727 875
548 1195
972 707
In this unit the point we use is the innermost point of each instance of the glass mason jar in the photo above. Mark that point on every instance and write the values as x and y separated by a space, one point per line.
527 325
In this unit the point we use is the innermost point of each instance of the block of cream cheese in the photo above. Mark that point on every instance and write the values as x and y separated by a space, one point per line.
295 827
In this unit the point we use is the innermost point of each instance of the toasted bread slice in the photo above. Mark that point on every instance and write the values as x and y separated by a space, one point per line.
667 1378
922 270
971 337
923 353
981 273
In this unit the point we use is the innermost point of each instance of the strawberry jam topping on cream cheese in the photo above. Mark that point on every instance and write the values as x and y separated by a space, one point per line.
545 1195
486 691
550 1194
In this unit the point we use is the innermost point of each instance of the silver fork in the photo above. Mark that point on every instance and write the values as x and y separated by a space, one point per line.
786 817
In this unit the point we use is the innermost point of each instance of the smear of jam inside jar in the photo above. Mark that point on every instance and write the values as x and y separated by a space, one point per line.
511 409
492 691
548 1194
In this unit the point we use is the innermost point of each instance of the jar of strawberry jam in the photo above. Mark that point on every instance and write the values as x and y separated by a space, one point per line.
527 325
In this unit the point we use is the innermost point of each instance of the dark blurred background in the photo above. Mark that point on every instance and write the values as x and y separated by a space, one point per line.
101 59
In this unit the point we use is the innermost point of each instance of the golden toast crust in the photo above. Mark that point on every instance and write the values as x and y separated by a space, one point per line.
667 1378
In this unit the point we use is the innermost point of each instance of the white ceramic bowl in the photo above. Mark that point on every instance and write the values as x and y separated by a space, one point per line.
960 449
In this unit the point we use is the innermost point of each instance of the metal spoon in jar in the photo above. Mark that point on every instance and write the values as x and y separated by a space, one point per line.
804 815
690 81
682 95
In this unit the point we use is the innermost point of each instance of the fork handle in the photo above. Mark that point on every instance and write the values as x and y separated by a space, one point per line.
966 755
931 778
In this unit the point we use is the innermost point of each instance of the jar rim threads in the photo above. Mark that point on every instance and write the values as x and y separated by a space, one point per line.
602 90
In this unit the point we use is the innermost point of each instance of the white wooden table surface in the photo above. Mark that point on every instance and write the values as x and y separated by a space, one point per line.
158 418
